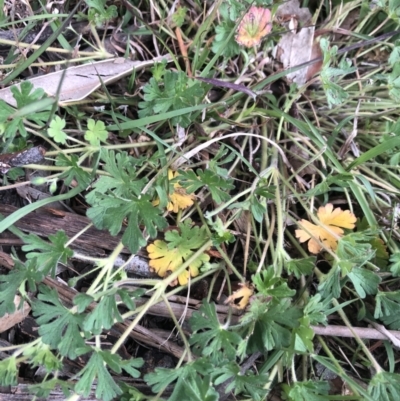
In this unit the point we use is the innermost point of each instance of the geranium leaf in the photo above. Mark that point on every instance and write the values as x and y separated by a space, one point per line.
326 234
166 257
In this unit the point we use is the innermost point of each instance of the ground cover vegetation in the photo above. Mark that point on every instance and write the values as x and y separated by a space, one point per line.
185 213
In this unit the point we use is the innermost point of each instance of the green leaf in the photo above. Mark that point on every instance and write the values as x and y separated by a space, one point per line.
373 152
316 310
26 94
127 295
335 94
74 171
394 82
364 281
43 389
268 324
116 363
200 389
8 371
355 250
210 337
177 92
219 187
381 254
122 180
221 234
39 354
96 132
95 369
109 213
48 255
158 70
189 237
395 264
385 386
55 130
248 383
387 308
142 123
257 208
178 18
269 285
221 44
162 377
303 336
14 281
340 180
104 315
223 158
58 326
130 366
131 393
387 304
300 267
82 301
394 56
118 197
306 391
9 285
99 14
234 9
9 126
329 284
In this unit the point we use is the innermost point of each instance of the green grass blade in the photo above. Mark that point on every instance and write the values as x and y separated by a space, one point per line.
142 122
20 213
374 152
41 50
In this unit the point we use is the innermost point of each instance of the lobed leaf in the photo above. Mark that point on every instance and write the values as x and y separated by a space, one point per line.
166 257
58 326
332 221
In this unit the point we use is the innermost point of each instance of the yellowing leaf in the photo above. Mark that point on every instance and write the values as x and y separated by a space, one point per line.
254 26
328 232
242 295
179 199
165 257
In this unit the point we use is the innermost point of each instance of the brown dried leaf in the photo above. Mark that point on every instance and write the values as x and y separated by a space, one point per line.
80 81
296 46
10 320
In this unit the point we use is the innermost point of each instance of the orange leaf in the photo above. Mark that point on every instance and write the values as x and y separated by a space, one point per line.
254 26
326 234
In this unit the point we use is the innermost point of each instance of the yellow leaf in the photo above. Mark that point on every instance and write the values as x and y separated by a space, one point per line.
243 294
165 261
332 221
336 217
179 199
